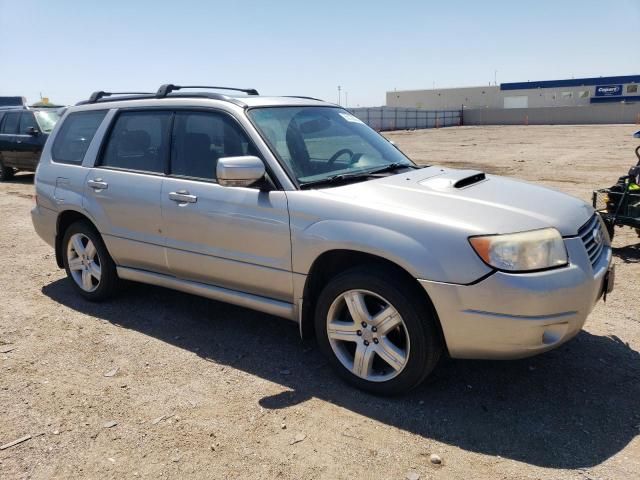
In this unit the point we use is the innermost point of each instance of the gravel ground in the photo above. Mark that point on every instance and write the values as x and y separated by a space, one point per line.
159 384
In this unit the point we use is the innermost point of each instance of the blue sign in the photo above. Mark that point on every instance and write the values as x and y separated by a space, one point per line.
608 90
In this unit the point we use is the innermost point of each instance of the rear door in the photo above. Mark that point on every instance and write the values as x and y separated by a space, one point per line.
232 237
123 188
28 144
8 131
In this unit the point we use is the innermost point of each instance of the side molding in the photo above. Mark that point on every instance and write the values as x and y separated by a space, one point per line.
242 299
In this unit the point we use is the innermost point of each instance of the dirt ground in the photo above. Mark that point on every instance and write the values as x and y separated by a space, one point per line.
159 384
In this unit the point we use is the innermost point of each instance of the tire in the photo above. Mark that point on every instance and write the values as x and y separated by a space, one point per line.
610 228
84 270
378 359
6 173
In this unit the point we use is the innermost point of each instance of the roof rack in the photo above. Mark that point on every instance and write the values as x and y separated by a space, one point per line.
166 89
95 96
149 96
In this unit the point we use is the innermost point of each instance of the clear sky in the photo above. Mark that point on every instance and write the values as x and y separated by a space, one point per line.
67 49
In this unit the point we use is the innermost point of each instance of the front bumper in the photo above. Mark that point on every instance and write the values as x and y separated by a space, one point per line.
518 315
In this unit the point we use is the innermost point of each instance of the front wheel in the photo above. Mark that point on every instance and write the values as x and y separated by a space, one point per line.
88 263
610 228
377 330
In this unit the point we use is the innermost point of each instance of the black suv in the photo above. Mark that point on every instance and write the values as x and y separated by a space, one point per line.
23 133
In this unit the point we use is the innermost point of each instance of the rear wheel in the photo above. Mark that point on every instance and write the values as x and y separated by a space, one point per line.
6 173
88 263
377 331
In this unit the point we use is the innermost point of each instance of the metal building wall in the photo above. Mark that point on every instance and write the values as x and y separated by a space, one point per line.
447 98
594 114
489 97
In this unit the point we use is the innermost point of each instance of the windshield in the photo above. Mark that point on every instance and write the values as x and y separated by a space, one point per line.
321 142
47 119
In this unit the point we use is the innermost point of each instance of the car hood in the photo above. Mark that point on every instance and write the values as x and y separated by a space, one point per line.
478 203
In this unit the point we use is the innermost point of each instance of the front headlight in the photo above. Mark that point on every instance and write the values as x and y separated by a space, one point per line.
522 252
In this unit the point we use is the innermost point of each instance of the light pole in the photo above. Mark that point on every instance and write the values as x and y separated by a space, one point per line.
346 99
339 98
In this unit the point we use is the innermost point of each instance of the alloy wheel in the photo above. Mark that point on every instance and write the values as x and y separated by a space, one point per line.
368 335
84 262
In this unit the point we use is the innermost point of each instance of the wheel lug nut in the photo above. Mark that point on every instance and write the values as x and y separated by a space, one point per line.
374 329
375 340
366 343
359 332
364 324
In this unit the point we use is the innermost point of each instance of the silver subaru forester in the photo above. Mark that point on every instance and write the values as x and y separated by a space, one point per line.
294 207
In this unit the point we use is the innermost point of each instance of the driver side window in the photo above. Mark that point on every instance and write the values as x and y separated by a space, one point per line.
27 120
200 139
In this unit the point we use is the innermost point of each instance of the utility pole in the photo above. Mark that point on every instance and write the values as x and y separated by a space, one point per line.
495 77
339 98
346 99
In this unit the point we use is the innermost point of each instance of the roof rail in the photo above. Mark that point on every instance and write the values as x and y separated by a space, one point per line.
303 97
95 96
166 89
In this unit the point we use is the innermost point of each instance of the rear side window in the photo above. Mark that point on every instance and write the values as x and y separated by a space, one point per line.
10 123
201 138
138 141
27 120
75 135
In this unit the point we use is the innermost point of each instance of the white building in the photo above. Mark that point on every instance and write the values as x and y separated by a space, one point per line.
549 93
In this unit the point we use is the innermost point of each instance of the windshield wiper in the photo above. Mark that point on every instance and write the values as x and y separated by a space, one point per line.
343 177
391 167
333 179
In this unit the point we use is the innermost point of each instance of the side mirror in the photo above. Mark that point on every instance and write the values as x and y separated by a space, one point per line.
637 134
239 171
33 131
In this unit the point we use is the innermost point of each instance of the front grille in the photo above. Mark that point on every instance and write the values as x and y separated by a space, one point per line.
594 238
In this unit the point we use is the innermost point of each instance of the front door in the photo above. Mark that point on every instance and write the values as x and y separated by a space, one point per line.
232 237
123 190
29 142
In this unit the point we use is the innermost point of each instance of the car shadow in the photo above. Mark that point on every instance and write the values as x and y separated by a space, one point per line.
628 253
21 178
573 407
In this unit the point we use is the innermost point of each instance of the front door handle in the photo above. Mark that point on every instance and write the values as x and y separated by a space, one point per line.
182 196
98 184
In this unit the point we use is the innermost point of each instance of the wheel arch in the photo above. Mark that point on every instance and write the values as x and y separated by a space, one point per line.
65 219
333 262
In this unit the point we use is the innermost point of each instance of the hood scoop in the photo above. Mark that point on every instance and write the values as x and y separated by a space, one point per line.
457 179
470 180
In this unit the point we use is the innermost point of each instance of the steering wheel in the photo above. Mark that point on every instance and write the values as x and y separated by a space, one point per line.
338 154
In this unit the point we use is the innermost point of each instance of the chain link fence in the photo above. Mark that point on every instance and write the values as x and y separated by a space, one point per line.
398 118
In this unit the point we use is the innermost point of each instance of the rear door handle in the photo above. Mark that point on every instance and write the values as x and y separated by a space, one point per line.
182 196
98 184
